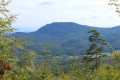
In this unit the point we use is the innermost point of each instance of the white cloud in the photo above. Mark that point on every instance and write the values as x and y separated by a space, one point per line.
36 13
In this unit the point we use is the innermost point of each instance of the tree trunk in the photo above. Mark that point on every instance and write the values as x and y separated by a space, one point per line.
96 56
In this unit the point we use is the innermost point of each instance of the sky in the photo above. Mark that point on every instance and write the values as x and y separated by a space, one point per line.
33 14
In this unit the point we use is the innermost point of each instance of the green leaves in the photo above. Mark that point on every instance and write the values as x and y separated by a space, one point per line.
95 48
116 4
96 40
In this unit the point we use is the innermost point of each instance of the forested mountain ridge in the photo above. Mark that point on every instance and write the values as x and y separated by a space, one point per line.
68 38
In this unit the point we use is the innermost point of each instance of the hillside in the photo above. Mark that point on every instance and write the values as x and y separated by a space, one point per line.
68 38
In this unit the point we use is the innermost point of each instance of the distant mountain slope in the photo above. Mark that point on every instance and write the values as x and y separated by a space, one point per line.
68 38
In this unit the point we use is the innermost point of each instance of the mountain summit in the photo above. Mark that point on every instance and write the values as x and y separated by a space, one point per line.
61 27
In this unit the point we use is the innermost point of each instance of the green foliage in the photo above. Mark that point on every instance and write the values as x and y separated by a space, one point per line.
116 4
106 72
95 49
5 28
68 38
24 64
14 50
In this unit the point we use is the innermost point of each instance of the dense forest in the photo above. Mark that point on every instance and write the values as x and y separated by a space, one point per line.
68 38
17 62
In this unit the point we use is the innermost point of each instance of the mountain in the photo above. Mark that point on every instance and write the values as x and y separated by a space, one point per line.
68 38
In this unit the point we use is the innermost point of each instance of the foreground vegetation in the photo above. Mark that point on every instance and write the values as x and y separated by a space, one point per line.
27 65
72 69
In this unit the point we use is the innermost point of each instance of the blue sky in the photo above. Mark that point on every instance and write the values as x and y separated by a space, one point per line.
34 14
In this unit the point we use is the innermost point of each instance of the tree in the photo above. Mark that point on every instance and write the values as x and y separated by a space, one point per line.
45 70
11 48
95 48
116 4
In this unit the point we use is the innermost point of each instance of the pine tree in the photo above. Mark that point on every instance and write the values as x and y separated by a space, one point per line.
95 48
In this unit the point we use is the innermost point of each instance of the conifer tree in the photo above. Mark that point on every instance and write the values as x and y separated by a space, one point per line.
95 48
